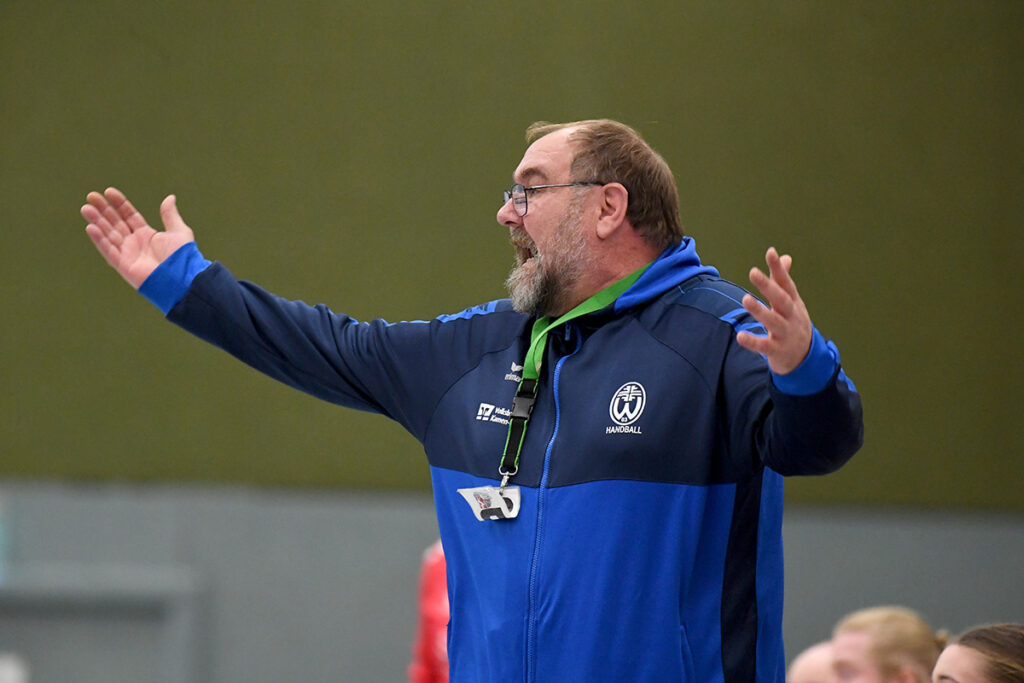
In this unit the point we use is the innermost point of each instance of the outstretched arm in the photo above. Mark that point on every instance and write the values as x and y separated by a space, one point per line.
126 240
785 319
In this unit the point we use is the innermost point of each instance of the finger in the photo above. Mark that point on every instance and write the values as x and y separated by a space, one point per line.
106 248
111 220
116 222
753 342
780 270
769 318
91 213
169 215
97 200
97 218
779 299
125 209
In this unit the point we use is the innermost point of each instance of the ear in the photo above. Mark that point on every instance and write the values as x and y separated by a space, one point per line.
614 202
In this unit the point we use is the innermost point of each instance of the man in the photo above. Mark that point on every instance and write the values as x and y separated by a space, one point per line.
884 645
813 665
605 448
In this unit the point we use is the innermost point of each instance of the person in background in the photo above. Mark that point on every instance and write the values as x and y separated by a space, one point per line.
430 648
813 665
985 654
884 645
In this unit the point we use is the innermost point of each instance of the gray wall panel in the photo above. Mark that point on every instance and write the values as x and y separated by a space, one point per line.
248 585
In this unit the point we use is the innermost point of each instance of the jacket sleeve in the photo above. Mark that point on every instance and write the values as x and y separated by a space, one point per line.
399 370
809 421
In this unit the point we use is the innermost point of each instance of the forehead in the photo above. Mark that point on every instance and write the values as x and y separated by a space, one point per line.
813 664
547 160
851 645
959 664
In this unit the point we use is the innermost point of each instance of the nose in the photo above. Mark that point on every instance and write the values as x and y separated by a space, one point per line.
508 217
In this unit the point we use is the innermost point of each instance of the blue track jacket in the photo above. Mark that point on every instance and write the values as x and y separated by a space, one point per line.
648 546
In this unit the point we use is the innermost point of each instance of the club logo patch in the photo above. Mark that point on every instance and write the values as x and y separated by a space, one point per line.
627 406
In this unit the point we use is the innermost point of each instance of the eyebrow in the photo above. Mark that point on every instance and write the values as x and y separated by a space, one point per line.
944 677
531 172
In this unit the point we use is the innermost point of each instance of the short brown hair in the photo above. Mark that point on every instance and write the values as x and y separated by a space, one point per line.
1002 648
607 151
899 638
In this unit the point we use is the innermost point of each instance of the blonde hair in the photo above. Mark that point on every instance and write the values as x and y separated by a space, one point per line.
900 638
607 151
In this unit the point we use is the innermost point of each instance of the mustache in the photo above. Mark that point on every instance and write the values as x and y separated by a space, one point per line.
520 239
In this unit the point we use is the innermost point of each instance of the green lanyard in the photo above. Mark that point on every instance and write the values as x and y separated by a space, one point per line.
526 394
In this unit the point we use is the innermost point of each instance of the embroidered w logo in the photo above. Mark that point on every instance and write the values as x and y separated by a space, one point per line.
628 403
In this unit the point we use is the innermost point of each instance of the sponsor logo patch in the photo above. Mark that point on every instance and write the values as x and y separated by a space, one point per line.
513 375
488 412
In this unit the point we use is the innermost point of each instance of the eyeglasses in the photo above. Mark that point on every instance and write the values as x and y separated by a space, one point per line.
517 193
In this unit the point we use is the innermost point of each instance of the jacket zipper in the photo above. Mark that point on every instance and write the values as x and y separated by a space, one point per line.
531 624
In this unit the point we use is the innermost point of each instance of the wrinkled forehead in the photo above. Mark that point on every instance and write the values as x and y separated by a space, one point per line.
547 160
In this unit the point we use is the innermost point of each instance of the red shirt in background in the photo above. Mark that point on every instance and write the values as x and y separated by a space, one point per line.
430 649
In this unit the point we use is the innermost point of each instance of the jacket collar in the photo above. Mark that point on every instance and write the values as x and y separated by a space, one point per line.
675 265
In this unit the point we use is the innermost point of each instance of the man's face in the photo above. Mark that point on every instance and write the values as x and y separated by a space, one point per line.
852 661
542 281
551 239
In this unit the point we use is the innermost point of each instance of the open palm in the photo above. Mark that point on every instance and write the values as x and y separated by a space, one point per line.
126 240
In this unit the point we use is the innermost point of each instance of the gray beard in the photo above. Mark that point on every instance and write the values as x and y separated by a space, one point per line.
533 293
545 289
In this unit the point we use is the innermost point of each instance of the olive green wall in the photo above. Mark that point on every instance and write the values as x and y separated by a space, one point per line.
353 153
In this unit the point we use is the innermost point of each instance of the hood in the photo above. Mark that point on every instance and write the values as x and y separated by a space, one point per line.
674 266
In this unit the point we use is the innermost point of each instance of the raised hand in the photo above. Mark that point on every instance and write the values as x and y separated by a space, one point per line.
786 320
126 240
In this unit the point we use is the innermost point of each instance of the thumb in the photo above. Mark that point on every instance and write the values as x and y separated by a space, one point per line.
169 215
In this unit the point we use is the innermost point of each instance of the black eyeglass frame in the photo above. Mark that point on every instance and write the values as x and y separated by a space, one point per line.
519 190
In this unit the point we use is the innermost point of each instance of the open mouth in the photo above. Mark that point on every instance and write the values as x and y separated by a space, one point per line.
525 247
524 254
